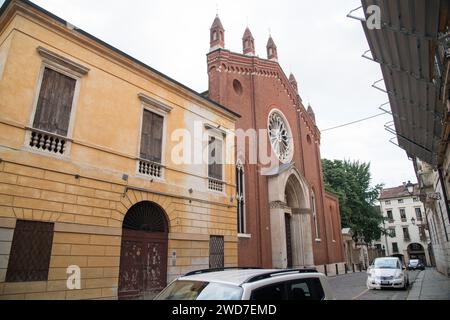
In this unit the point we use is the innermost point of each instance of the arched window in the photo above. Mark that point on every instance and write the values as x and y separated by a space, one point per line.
240 195
332 223
214 35
314 212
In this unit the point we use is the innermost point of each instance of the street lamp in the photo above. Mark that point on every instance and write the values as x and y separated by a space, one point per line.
410 187
413 221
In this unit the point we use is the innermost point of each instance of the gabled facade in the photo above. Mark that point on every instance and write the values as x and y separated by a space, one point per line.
286 219
406 222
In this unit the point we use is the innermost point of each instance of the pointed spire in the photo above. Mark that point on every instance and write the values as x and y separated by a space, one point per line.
248 43
293 82
272 50
217 34
311 113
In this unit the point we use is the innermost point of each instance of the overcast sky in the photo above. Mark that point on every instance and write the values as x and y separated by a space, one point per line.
315 40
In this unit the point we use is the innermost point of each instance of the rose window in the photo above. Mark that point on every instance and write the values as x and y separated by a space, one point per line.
280 137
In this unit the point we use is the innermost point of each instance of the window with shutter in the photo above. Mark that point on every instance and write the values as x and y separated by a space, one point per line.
215 159
54 104
151 136
31 249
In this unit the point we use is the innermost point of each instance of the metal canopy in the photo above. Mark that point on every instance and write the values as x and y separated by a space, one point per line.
405 47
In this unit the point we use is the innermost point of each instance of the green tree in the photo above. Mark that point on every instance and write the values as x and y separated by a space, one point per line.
351 182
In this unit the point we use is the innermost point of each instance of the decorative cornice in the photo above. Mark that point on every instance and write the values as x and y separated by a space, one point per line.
214 128
62 61
236 63
278 205
154 103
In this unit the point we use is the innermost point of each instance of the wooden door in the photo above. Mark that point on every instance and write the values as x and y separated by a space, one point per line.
143 264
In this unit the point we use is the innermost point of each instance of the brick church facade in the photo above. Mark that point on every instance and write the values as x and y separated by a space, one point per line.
285 217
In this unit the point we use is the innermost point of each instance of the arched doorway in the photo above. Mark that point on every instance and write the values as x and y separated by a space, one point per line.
290 218
143 259
417 251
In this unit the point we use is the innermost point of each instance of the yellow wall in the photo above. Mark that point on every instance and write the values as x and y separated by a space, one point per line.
83 192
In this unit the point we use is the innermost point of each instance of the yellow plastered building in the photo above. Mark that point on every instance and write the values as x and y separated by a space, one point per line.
92 203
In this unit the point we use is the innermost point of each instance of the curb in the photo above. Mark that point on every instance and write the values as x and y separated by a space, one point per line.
416 287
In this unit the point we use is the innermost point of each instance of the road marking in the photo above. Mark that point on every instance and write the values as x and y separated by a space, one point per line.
359 295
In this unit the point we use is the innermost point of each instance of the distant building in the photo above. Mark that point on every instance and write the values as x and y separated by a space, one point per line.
404 218
416 75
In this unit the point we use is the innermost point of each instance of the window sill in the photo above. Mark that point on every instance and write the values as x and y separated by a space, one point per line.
318 240
244 236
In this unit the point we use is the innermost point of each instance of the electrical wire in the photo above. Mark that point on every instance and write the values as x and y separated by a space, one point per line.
354 122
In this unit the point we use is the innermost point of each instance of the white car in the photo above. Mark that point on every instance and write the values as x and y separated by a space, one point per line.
387 273
249 284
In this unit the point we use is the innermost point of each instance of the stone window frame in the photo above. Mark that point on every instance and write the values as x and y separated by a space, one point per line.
288 127
218 134
390 220
69 68
314 214
152 105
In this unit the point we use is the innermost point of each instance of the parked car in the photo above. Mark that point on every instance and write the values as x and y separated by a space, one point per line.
415 264
387 273
249 284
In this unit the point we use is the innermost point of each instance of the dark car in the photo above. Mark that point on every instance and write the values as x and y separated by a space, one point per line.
416 264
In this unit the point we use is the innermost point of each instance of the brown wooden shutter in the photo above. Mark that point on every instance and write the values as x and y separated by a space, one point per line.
55 103
151 136
157 133
215 158
31 249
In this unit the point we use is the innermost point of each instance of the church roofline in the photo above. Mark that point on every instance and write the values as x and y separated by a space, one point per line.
286 79
7 3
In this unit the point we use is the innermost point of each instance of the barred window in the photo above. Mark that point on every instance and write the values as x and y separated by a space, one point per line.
216 252
31 249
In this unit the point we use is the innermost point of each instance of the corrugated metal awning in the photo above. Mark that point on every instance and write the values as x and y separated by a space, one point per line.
405 48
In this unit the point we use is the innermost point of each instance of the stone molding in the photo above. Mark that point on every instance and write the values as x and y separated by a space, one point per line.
59 60
155 103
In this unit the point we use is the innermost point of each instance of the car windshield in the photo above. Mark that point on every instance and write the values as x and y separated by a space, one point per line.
414 262
385 264
199 290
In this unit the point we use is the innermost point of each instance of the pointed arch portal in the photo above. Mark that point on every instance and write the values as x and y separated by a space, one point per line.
143 259
290 218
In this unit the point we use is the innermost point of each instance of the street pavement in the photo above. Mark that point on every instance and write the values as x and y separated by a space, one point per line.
352 286
430 285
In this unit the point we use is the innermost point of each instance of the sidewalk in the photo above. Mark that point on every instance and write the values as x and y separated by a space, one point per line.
430 285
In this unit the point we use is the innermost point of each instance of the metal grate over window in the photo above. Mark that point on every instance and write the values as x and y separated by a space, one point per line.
30 252
216 252
146 216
